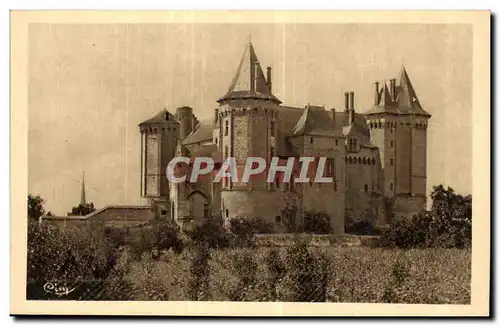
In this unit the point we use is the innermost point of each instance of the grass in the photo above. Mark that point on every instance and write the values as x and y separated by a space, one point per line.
355 274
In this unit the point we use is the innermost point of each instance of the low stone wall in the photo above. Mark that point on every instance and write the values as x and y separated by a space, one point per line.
317 240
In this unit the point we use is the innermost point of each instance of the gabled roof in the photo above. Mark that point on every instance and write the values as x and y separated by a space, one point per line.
203 132
315 121
358 129
249 80
404 102
162 117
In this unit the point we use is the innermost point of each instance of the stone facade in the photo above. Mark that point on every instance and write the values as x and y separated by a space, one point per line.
377 159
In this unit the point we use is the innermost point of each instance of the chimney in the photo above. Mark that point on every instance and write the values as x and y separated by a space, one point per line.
346 95
333 115
351 109
269 82
255 75
376 93
393 88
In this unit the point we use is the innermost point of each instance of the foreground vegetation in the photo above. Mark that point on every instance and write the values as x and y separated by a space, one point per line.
426 259
356 274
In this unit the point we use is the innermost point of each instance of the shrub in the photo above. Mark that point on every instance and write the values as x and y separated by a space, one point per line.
211 234
306 273
275 272
360 227
199 274
317 222
245 268
82 259
118 236
244 230
155 238
409 232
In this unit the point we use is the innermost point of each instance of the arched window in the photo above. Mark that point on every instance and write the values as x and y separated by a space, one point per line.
359 160
373 161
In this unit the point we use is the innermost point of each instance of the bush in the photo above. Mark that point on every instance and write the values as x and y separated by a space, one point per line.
211 234
275 272
245 268
199 274
82 259
155 238
245 230
317 222
306 273
118 236
360 227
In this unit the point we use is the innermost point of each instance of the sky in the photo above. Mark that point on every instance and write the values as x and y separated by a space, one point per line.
90 86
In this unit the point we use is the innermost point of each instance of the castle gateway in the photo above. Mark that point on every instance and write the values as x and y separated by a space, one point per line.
377 159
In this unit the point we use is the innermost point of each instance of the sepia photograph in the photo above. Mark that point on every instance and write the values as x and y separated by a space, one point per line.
241 157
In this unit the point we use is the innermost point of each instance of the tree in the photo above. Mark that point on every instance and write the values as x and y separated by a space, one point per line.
35 207
83 210
451 215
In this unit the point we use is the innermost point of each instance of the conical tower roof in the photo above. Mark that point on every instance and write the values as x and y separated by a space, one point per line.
405 100
249 81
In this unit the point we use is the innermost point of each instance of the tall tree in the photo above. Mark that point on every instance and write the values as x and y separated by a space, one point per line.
35 207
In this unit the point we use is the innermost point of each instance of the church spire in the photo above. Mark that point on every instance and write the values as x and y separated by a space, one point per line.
83 200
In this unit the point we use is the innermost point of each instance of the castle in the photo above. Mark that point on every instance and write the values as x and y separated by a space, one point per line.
377 159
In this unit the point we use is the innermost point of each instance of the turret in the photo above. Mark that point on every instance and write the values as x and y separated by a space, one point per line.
186 120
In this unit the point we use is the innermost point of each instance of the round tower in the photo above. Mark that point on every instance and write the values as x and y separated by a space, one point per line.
247 128
186 119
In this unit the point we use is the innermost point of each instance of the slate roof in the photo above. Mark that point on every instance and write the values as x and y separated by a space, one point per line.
203 132
358 129
243 85
315 120
164 116
405 101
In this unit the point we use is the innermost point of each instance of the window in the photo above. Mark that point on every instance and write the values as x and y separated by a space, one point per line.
334 186
226 127
392 162
366 188
272 129
163 212
336 142
227 212
331 167
205 210
278 219
392 143
216 141
311 140
391 186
